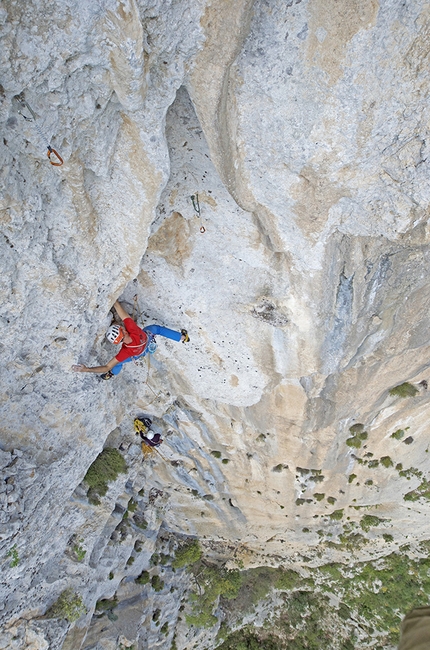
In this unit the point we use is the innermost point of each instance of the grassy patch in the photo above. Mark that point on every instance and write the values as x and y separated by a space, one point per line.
404 390
106 468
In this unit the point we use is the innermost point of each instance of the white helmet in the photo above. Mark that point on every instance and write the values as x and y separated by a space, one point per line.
115 334
149 435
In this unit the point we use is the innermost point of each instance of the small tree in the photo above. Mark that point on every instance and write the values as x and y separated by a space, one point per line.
68 605
188 554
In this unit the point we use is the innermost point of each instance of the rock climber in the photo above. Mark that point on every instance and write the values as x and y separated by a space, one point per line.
136 342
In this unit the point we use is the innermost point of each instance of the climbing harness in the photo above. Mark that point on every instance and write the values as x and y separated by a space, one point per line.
57 161
196 206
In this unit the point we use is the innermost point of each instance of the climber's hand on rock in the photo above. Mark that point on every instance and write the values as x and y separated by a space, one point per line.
79 368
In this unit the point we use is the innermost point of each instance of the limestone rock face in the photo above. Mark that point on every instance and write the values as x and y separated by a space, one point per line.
299 268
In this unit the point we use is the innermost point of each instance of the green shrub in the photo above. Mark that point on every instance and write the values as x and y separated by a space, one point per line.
187 554
106 468
132 505
354 442
79 551
13 554
404 390
216 454
422 491
143 578
398 435
214 582
69 605
352 477
225 461
336 515
319 496
165 628
356 428
331 500
202 619
368 521
287 580
357 438
106 604
386 461
157 583
387 537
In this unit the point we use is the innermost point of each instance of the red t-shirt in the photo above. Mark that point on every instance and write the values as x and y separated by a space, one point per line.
138 343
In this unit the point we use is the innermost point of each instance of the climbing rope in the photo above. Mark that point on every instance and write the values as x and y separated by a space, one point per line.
136 313
59 161
196 206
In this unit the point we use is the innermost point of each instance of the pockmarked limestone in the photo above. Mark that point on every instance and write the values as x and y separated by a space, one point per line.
301 126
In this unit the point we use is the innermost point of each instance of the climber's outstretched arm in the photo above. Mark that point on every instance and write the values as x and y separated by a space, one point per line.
120 311
97 369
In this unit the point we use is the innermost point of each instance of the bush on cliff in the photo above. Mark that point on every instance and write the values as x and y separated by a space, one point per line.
106 467
188 554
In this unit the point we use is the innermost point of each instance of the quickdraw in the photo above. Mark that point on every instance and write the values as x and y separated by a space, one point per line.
196 206
59 161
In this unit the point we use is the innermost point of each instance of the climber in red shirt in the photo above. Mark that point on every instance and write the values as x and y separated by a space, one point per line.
136 342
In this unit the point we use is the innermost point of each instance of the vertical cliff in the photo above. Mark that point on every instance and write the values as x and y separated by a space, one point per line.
300 405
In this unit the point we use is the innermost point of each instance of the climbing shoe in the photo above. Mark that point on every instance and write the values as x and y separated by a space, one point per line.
107 375
185 335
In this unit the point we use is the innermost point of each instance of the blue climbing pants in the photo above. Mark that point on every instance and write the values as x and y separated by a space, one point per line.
151 329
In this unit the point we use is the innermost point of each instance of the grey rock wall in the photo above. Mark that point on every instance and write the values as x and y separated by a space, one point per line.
303 129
